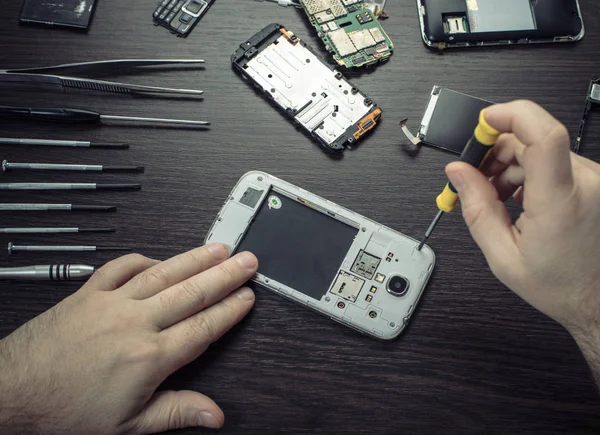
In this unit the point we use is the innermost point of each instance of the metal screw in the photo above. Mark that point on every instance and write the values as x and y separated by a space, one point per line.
392 325
260 178
327 299
5 166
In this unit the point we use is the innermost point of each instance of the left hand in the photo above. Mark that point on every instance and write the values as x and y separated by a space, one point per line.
91 364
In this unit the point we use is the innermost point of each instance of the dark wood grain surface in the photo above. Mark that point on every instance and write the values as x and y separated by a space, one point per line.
476 359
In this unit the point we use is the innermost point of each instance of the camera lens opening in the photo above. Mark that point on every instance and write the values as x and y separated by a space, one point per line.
398 285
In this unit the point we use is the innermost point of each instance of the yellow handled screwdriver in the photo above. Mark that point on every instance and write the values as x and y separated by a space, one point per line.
475 153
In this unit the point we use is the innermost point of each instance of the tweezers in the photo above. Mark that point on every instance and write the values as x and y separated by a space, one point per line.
39 76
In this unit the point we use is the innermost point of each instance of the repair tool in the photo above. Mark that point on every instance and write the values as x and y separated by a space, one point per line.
56 272
56 207
61 143
68 186
62 248
55 230
475 153
7 166
80 116
37 76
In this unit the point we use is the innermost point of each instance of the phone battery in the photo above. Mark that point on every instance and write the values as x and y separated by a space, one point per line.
76 14
180 16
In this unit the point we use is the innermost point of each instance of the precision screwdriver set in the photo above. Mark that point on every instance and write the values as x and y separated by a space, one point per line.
63 77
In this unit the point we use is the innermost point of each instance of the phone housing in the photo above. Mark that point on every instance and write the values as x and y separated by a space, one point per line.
323 256
476 23
298 82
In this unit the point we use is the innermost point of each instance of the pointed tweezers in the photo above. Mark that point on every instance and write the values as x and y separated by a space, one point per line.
36 75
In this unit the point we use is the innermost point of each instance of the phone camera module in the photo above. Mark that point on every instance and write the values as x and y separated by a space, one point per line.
398 285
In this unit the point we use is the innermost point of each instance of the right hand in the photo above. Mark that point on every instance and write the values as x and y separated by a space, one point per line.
551 255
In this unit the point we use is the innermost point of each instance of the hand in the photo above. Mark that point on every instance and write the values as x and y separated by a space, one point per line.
549 256
91 364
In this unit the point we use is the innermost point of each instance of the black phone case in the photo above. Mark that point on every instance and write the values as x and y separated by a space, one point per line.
553 18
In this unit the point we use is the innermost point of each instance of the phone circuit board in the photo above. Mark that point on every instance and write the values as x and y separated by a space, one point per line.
350 31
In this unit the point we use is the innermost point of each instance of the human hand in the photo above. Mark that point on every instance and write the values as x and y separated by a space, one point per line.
549 256
91 364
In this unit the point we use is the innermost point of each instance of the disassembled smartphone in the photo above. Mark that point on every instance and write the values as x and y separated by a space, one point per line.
180 16
350 31
469 23
592 101
449 120
315 96
323 256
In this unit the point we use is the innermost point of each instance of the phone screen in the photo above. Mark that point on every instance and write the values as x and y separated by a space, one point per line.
297 245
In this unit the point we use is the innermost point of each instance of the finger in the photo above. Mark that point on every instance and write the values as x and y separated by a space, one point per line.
546 158
116 273
586 163
486 217
175 270
169 410
187 340
201 291
507 152
507 182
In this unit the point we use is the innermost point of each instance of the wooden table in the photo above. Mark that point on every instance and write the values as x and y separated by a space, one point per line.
476 359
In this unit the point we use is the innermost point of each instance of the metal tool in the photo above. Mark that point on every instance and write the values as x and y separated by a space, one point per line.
475 153
68 186
81 116
61 143
37 76
7 166
56 272
56 207
55 230
61 248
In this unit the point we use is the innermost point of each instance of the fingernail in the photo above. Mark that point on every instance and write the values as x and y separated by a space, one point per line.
457 180
206 419
246 294
247 260
217 250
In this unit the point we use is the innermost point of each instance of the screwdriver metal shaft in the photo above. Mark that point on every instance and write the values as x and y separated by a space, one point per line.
7 166
61 248
429 231
61 143
73 230
56 207
68 186
82 116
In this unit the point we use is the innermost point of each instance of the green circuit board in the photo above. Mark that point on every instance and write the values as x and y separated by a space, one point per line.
350 31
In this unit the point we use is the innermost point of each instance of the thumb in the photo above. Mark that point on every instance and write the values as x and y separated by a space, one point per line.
487 217
168 410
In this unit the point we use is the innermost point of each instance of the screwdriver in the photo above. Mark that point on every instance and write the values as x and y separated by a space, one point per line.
475 153
62 248
7 166
81 116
